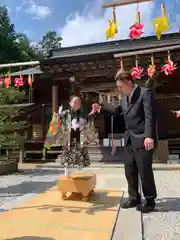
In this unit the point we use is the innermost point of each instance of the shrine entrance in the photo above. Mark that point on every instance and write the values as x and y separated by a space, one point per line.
92 69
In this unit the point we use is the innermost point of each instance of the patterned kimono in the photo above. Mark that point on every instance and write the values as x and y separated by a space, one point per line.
76 133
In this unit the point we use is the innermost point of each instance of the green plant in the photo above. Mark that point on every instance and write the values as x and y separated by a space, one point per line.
12 116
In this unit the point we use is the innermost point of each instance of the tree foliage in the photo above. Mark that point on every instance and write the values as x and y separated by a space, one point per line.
11 112
49 41
13 47
16 47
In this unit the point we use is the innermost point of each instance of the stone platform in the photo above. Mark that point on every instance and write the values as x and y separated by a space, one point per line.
47 216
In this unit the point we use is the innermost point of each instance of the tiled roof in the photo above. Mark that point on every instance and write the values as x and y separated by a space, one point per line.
28 71
116 46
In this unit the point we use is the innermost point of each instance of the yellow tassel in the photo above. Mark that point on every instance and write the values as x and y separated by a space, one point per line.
111 29
161 24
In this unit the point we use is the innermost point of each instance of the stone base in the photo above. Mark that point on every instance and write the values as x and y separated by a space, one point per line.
8 167
77 183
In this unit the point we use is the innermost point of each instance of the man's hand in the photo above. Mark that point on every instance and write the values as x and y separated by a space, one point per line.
148 143
96 107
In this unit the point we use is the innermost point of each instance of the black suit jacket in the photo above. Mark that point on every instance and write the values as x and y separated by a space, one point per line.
139 116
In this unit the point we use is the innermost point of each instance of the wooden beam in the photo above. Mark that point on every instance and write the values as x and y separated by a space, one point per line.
123 2
147 51
95 87
19 64
94 74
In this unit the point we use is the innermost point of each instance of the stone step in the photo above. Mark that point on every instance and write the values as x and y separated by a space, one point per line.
103 150
105 158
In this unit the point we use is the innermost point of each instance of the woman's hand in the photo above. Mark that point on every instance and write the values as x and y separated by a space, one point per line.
96 108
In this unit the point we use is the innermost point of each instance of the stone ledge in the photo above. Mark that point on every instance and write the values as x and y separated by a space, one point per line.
156 166
8 167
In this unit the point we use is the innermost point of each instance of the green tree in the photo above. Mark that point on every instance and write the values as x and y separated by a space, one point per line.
50 40
13 47
12 110
26 50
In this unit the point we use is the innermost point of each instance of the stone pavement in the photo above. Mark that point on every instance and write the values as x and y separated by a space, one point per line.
163 224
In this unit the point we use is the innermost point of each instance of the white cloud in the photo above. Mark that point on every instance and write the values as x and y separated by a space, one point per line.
36 10
29 33
89 27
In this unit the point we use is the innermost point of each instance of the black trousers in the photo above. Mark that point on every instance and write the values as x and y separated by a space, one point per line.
139 162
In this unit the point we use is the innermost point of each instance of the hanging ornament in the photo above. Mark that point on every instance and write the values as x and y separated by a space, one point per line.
7 80
136 30
19 81
111 30
177 114
169 67
21 77
161 24
136 71
30 80
152 68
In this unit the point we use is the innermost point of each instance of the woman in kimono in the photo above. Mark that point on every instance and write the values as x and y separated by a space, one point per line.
76 133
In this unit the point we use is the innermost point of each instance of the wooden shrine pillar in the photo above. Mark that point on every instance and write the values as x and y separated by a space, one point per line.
161 153
30 100
31 95
43 120
54 98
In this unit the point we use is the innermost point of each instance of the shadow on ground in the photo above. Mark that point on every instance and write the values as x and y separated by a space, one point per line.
168 205
39 172
100 201
31 185
31 238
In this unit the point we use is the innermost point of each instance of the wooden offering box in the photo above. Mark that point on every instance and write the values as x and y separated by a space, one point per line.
77 183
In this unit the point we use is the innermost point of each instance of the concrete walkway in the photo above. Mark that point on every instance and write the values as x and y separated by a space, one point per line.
163 224
156 166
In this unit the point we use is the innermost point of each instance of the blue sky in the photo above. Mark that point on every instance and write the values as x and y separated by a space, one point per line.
82 21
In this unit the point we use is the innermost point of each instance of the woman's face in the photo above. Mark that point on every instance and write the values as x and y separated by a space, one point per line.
75 103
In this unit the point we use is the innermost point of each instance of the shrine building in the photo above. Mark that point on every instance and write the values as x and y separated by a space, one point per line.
91 69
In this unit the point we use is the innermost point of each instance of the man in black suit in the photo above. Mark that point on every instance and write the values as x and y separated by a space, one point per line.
138 108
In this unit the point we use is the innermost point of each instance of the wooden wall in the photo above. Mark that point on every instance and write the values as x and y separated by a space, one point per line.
168 100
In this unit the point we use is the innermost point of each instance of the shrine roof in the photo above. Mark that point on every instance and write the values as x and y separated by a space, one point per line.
112 47
26 72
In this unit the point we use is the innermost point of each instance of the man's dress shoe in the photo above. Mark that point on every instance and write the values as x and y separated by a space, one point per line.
130 204
147 207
